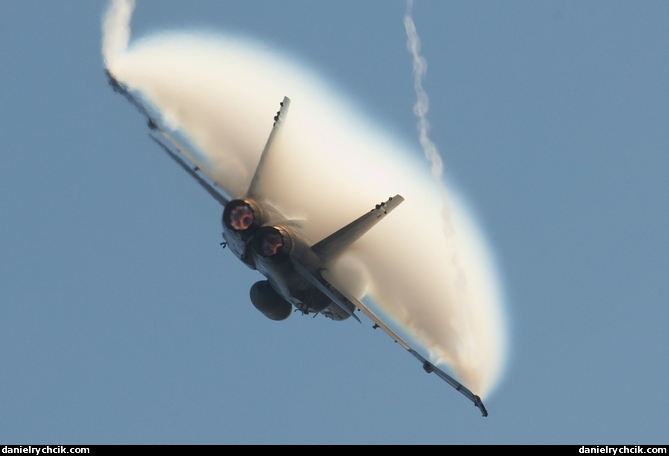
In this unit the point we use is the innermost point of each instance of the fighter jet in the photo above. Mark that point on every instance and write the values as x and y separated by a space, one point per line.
296 271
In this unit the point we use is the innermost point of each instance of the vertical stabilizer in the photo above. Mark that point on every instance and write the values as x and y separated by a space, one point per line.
279 119
334 245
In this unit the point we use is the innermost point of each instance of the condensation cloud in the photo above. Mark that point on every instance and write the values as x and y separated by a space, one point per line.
332 164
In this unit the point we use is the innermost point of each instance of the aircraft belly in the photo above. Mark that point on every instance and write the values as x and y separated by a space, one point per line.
282 277
293 287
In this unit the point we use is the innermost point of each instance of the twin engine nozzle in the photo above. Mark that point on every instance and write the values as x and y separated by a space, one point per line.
272 242
243 217
247 219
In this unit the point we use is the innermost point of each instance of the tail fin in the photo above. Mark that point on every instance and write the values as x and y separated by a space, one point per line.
278 122
334 245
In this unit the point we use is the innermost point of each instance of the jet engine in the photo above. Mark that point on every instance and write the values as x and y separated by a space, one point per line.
273 242
269 302
243 216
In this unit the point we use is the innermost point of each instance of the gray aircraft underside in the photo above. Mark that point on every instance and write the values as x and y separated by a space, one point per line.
264 240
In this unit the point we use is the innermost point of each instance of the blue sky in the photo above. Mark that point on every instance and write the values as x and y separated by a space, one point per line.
122 321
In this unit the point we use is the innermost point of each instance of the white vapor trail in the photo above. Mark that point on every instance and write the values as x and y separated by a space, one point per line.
420 109
332 164
422 102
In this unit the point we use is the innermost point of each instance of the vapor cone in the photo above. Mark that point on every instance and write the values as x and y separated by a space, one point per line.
332 165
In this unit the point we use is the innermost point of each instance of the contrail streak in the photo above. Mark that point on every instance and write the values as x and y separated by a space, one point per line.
330 165
422 102
420 109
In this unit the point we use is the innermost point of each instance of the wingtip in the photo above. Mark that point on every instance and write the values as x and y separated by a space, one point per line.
479 403
391 203
112 79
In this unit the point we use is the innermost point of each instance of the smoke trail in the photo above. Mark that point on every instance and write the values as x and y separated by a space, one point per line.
331 166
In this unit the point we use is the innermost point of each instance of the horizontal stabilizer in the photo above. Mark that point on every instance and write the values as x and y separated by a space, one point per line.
328 280
335 244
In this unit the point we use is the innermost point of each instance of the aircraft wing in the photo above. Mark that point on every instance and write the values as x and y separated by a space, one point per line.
324 280
176 151
208 186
